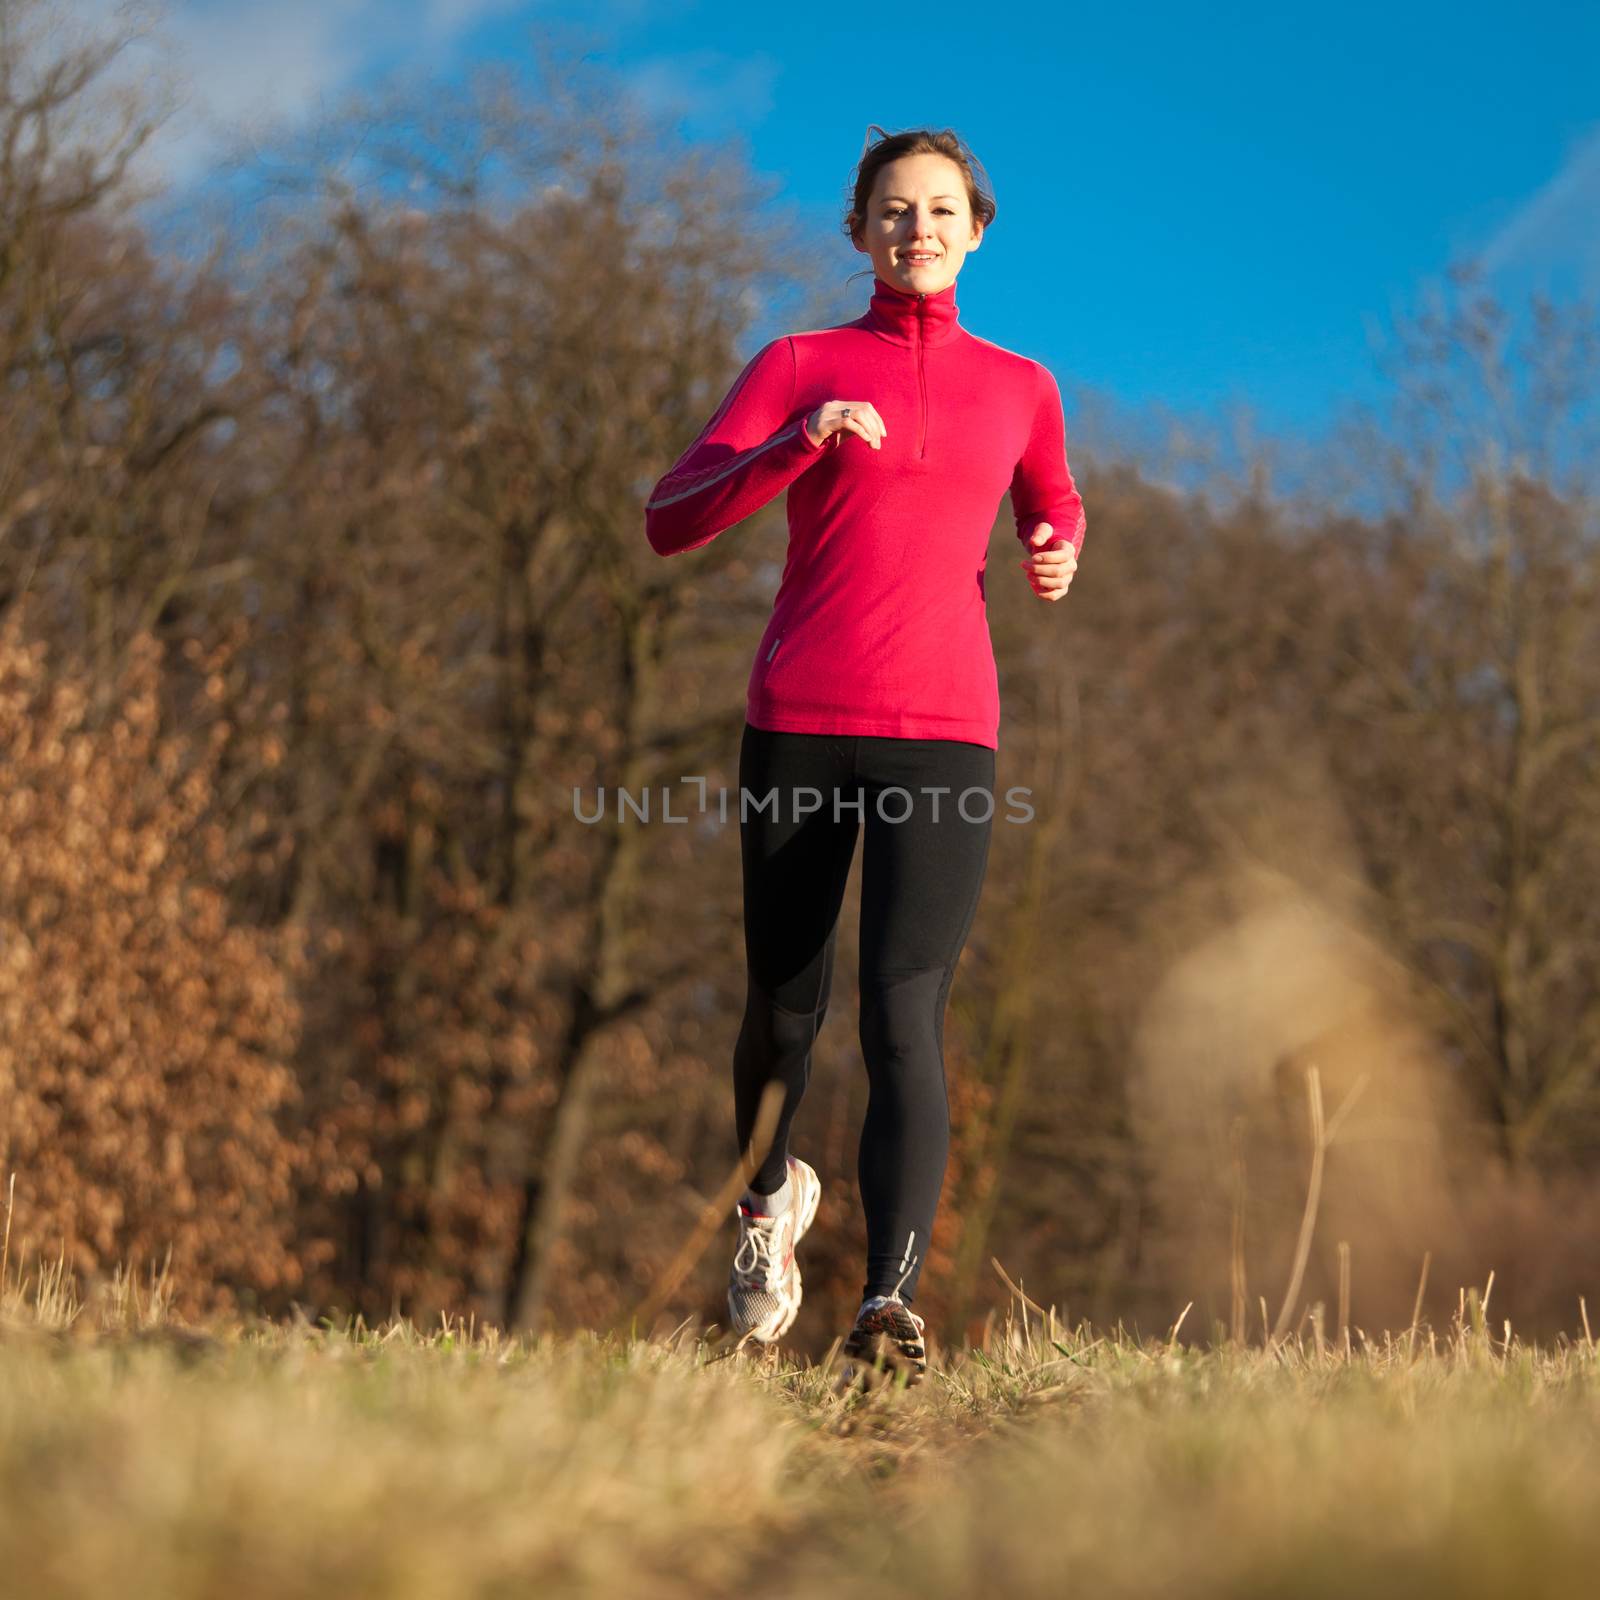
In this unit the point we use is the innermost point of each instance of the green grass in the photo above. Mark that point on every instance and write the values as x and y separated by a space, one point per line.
140 1457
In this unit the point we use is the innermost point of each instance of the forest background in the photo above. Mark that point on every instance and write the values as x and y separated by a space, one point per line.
324 597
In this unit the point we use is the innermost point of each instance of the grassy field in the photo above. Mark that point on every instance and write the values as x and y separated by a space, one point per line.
139 1457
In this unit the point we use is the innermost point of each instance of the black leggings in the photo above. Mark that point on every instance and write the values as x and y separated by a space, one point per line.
920 883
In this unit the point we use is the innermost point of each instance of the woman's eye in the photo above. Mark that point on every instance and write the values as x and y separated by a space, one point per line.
946 209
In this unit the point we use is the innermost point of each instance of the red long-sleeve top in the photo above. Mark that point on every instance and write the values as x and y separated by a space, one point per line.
879 625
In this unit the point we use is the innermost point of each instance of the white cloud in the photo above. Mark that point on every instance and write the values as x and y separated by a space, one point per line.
1554 231
707 86
239 69
449 17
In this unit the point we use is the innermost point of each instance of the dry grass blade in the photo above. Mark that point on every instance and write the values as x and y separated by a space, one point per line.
1344 1296
1236 1264
5 1251
1032 1305
1172 1338
1322 1137
1416 1309
716 1209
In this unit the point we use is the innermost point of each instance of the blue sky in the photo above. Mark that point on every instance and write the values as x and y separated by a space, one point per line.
1201 208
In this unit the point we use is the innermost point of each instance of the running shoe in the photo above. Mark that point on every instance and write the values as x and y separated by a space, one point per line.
888 1331
764 1286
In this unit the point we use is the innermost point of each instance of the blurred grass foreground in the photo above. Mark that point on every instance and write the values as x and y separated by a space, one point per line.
143 1455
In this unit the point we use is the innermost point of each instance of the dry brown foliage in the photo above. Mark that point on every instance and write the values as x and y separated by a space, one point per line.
146 1042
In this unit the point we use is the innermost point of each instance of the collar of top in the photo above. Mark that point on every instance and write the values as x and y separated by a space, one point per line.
901 315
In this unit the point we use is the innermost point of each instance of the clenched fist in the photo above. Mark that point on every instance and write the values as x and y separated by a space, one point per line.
1052 564
838 416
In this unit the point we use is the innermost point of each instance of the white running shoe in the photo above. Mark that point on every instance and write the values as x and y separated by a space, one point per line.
764 1286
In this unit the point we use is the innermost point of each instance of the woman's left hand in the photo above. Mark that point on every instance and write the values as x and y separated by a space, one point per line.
1050 569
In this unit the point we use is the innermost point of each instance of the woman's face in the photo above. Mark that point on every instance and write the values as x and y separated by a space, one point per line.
919 208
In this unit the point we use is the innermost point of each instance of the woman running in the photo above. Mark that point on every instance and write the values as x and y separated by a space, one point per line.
873 700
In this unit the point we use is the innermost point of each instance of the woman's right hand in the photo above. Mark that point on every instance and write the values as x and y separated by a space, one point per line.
829 418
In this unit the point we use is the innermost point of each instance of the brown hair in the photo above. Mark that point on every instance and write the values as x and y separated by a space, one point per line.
914 142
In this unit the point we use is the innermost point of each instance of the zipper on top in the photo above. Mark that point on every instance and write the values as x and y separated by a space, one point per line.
922 384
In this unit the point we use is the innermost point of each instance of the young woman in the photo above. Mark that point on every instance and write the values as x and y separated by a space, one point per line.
873 702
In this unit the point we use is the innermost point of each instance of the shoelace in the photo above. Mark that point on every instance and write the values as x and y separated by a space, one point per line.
762 1242
882 1303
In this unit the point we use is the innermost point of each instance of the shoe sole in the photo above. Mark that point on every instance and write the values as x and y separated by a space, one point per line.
879 1364
874 1353
813 1199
